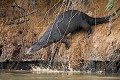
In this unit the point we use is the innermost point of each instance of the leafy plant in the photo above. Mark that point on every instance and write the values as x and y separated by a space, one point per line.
110 4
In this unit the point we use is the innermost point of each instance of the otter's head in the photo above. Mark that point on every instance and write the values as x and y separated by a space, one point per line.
35 47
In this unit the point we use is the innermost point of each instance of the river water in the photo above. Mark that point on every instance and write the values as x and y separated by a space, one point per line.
55 75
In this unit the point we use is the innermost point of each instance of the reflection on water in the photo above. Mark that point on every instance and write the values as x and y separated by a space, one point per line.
29 75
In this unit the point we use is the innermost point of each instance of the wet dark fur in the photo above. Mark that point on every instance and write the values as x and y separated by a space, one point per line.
68 22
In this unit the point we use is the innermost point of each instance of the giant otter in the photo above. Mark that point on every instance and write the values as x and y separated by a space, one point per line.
67 22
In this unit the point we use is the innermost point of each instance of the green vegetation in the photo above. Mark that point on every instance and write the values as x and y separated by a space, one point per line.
110 4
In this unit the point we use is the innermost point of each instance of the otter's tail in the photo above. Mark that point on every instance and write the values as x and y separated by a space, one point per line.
94 21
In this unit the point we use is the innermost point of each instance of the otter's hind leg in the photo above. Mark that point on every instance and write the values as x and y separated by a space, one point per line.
87 28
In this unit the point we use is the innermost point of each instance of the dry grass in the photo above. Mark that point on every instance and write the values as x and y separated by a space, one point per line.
100 46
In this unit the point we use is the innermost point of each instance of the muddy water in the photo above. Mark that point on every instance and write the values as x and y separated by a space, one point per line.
30 75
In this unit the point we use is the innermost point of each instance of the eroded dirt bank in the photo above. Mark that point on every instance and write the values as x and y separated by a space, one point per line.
103 45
